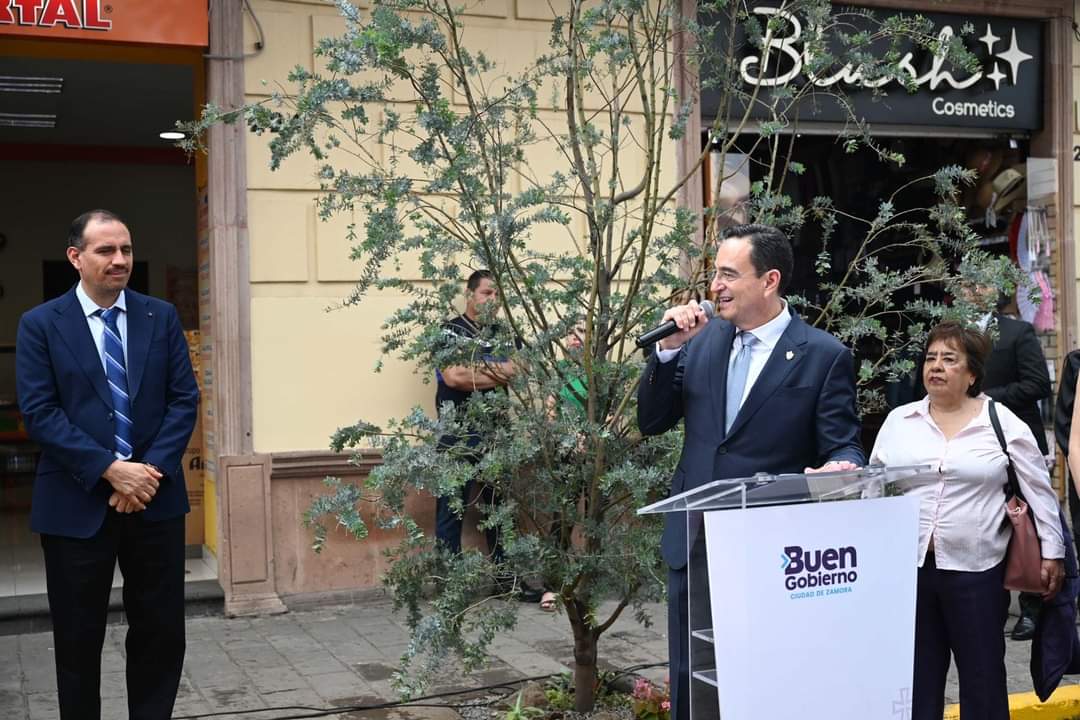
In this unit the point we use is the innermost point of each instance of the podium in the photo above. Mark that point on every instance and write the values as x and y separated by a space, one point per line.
801 593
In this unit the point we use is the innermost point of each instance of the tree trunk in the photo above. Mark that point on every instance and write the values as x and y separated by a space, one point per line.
584 668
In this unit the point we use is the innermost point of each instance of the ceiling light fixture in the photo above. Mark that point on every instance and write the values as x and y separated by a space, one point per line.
172 135
21 84
27 120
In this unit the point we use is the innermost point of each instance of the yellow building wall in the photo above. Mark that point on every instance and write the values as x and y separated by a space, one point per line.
312 370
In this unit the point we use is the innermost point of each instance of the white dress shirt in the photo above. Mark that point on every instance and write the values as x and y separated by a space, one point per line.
97 323
767 336
964 508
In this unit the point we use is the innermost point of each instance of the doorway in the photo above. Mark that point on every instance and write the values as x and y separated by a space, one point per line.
79 129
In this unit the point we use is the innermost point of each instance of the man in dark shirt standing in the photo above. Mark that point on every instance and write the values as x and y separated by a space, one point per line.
489 372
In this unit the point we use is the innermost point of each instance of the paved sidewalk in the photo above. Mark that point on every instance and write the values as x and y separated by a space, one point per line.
341 655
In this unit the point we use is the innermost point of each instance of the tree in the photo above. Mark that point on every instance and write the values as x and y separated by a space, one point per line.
598 243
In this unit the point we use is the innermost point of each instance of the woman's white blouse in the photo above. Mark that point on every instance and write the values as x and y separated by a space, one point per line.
964 508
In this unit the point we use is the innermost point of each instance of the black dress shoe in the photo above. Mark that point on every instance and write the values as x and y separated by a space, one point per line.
1024 629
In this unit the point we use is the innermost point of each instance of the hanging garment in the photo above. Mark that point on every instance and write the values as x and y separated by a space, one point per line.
1044 316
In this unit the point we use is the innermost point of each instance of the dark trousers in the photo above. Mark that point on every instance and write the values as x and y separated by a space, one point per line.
448 524
79 576
961 612
1030 604
686 692
1074 510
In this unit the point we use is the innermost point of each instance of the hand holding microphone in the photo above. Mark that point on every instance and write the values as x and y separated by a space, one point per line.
679 324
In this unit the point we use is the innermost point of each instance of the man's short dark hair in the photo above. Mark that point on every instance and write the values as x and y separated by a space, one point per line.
474 280
78 226
770 249
973 343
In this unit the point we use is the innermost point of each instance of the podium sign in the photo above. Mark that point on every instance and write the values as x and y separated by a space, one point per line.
813 609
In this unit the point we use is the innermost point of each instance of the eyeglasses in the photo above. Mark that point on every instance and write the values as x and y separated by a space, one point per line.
728 275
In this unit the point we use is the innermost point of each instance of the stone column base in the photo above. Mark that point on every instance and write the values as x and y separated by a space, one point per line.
246 562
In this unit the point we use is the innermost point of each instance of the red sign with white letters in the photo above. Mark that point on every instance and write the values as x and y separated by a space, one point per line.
151 22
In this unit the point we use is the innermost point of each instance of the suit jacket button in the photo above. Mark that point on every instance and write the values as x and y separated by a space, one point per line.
722 451
110 416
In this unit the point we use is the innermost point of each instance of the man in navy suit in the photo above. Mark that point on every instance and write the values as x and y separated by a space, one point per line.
759 391
107 390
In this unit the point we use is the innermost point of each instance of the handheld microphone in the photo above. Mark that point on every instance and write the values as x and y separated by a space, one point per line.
670 328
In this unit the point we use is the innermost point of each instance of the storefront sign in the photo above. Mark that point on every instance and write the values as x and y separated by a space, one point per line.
1004 92
150 22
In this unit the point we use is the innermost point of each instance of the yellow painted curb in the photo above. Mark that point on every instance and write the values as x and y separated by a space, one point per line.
1064 704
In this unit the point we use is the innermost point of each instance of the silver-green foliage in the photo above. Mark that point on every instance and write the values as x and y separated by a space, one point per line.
437 152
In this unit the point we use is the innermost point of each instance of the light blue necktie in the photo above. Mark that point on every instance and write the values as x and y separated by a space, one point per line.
116 372
736 380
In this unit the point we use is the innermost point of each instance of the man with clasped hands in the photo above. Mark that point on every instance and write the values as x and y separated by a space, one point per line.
759 391
106 388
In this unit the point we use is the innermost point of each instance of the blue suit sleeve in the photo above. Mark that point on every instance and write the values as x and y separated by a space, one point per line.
182 405
46 422
660 395
838 425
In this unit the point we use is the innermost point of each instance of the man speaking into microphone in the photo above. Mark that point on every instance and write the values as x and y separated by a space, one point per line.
759 390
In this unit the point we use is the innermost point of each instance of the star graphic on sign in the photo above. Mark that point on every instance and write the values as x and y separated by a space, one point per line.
989 39
997 76
1014 56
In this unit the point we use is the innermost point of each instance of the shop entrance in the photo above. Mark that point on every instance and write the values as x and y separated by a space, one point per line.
79 129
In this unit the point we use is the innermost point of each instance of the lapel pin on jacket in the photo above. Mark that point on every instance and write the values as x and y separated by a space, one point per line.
790 354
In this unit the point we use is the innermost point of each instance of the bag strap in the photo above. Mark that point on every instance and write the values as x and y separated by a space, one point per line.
1014 485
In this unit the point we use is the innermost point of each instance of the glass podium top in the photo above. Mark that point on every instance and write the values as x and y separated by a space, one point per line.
768 489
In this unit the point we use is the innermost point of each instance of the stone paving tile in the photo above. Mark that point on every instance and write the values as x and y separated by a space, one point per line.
375 671
114 707
236 697
208 651
269 680
113 685
214 675
316 662
332 631
383 691
355 651
379 631
43 706
187 693
112 661
188 708
256 656
39 674
12 703
337 685
282 626
296 697
11 678
423 713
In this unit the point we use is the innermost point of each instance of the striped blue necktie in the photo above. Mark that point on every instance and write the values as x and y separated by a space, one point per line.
116 372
